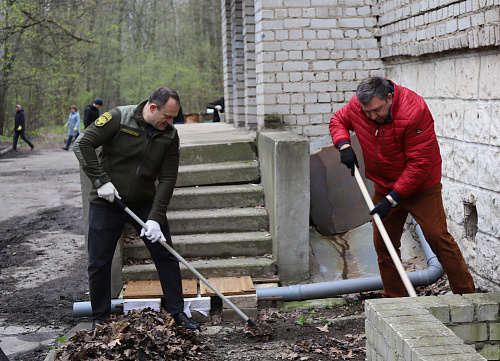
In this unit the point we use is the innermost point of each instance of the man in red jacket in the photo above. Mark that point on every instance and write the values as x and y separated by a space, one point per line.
396 132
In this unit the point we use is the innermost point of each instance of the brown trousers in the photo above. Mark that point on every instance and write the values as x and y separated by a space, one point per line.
427 209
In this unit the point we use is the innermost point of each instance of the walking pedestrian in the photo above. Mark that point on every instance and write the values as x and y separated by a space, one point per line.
73 126
20 128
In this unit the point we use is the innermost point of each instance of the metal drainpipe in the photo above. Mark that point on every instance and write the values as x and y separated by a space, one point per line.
425 277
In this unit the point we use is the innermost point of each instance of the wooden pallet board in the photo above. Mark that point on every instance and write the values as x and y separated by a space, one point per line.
228 286
152 289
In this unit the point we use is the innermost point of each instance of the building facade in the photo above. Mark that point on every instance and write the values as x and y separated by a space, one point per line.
292 63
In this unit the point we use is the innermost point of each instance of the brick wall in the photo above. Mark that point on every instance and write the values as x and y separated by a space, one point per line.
309 56
433 328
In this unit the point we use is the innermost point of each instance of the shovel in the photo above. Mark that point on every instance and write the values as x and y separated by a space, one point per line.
385 236
191 268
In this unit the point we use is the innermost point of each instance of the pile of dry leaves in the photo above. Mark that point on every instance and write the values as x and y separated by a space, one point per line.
139 335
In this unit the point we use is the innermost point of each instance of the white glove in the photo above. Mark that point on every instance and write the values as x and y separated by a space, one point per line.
108 192
153 232
218 107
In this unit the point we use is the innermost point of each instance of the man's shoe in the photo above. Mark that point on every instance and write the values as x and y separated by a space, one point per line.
33 147
96 323
64 148
181 318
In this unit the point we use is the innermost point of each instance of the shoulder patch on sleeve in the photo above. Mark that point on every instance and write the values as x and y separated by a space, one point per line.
103 119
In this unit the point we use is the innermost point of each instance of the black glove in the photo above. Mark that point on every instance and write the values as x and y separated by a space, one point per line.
382 208
348 157
390 201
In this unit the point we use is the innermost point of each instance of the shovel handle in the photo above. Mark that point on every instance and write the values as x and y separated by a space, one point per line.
122 205
385 236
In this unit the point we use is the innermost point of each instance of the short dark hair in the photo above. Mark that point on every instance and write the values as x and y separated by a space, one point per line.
373 86
161 95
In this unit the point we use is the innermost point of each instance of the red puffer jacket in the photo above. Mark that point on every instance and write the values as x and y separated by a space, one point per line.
402 154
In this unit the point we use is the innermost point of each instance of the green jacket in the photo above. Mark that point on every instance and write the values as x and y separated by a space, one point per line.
129 160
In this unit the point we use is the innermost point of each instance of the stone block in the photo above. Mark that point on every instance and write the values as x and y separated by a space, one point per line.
438 308
471 332
489 70
242 301
467 73
485 307
494 329
421 353
477 123
445 84
490 351
461 310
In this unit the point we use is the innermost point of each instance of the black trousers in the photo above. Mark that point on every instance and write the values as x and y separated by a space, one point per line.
105 228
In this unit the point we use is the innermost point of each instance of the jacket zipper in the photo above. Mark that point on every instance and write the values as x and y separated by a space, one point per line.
140 163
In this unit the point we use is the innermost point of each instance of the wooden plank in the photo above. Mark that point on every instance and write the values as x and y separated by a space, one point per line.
152 289
228 286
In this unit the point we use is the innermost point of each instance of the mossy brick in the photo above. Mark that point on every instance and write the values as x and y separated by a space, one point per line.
369 331
372 307
471 332
485 307
495 296
393 324
490 351
454 357
398 312
419 352
437 307
461 309
404 336
431 341
494 331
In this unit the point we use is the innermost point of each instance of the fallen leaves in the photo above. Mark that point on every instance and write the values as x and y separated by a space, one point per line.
139 335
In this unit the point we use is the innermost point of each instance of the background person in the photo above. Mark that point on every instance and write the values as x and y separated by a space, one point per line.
73 125
91 112
396 132
139 146
20 128
218 106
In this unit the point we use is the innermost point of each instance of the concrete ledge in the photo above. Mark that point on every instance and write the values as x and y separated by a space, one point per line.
284 162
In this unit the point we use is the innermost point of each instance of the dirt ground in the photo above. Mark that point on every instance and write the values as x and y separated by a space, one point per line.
43 271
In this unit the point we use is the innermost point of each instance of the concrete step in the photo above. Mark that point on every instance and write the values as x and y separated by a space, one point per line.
221 220
222 245
232 151
218 173
243 195
253 267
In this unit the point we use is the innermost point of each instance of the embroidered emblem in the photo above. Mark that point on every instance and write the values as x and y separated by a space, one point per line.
419 131
103 119
128 131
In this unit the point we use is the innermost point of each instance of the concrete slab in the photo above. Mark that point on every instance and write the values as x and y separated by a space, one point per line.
211 133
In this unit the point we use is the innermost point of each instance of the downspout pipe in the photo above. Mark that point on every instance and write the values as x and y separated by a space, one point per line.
424 277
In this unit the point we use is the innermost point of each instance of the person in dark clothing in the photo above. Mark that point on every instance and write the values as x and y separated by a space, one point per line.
218 106
91 112
179 119
20 128
138 164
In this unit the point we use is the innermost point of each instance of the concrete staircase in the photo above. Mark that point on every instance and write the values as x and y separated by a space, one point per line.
217 216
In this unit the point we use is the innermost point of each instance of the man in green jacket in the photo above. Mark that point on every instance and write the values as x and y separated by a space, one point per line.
139 147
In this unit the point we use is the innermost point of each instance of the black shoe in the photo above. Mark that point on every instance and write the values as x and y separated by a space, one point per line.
33 147
96 323
64 148
181 318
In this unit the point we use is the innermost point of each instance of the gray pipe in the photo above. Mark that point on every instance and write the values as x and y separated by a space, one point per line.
424 277
84 309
